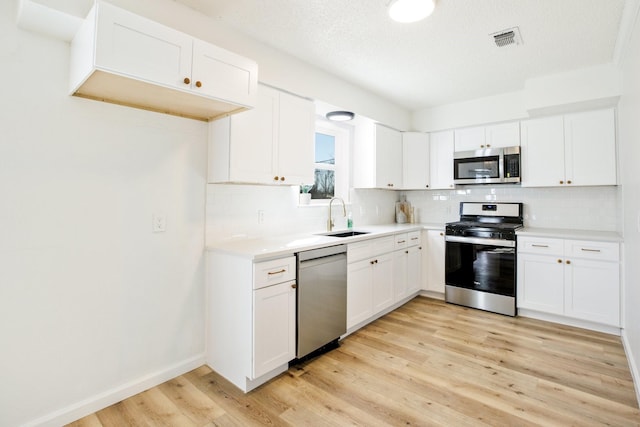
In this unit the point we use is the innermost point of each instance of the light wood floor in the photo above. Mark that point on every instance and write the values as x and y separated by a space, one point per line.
427 363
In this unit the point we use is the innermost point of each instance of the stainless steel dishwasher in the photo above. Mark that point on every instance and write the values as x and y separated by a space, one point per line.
322 298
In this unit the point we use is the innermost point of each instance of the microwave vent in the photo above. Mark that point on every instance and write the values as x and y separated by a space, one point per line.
507 37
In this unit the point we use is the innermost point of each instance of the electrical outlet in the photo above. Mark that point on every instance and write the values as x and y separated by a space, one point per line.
159 223
260 217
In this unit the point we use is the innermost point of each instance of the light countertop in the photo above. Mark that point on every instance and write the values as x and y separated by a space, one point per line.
561 233
280 246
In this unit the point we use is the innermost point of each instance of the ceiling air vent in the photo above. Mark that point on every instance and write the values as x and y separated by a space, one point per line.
507 37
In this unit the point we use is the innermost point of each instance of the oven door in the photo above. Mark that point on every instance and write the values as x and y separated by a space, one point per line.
486 265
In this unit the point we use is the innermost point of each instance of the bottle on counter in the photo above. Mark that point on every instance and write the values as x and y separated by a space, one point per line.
349 220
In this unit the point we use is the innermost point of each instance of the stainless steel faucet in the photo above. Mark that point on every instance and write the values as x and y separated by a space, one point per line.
330 223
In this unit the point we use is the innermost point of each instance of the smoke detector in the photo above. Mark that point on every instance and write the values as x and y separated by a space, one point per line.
507 37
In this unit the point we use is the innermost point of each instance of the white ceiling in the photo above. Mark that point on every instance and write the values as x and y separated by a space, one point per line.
446 58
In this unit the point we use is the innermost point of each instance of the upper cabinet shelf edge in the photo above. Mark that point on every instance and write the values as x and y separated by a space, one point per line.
123 58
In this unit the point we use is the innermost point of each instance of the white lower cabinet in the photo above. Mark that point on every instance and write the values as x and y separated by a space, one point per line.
274 327
575 279
435 261
380 273
369 280
407 265
251 317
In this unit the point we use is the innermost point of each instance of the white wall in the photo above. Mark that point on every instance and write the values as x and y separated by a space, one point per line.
583 89
629 136
232 211
91 301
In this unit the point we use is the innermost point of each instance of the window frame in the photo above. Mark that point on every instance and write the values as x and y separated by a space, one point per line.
343 136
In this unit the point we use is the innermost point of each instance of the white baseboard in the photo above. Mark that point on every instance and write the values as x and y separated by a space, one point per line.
613 330
109 397
635 374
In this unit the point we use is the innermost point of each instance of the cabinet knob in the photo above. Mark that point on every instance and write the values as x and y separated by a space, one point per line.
372 262
442 234
450 185
488 145
568 262
406 252
389 185
427 185
275 178
187 80
294 286
568 181
376 261
282 178
419 248
559 261
198 84
561 182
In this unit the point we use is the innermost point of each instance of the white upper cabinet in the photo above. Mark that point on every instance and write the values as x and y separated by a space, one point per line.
468 139
378 157
441 160
271 144
120 57
572 150
590 148
542 152
415 161
492 136
388 158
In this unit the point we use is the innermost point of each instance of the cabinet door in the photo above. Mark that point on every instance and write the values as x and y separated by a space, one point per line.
274 327
400 274
503 135
414 269
252 140
388 158
540 283
295 140
383 282
542 152
415 160
441 160
435 261
359 292
592 291
469 139
137 47
590 148
223 74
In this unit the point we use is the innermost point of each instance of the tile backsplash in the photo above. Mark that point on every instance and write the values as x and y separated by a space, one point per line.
589 208
248 211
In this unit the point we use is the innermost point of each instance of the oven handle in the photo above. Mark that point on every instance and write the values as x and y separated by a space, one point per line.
481 241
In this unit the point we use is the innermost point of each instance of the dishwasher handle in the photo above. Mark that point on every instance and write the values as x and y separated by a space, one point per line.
321 253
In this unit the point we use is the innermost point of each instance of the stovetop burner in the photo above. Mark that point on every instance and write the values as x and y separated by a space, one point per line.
487 220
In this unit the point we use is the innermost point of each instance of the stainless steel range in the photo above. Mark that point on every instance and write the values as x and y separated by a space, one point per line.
480 256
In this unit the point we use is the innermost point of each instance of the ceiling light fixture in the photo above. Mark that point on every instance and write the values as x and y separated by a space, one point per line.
340 116
411 10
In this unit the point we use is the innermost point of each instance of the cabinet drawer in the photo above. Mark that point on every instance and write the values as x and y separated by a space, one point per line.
358 251
369 248
383 245
401 240
415 238
540 245
271 272
603 251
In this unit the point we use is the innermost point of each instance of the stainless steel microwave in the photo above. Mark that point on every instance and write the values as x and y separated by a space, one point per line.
490 166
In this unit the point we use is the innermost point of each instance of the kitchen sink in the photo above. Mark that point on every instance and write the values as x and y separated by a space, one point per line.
345 233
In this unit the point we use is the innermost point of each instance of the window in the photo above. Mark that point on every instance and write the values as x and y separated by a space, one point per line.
324 186
331 162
